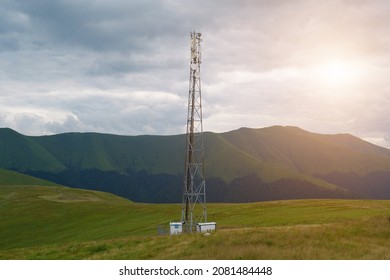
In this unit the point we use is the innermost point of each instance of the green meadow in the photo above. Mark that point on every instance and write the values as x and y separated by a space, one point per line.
54 222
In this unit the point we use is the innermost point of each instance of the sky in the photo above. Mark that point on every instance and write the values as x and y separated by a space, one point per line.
122 67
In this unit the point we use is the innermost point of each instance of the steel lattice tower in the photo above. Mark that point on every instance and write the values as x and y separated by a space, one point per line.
194 196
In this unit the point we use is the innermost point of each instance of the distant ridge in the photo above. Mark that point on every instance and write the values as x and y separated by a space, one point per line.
243 165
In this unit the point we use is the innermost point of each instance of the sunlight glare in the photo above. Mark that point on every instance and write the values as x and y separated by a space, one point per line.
337 73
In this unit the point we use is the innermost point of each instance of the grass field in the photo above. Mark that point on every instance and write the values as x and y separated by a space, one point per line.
51 222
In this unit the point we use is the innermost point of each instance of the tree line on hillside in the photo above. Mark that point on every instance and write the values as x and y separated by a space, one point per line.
141 186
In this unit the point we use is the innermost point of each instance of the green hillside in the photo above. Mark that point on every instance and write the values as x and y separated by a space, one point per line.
155 154
24 153
310 153
244 165
36 216
63 223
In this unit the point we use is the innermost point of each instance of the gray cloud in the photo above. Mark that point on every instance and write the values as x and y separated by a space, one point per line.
122 66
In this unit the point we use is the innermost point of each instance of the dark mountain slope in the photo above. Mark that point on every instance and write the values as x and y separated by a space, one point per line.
242 165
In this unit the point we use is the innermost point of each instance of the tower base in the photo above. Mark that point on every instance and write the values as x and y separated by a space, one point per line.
177 227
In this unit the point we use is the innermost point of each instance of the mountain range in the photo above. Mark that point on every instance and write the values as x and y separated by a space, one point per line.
243 165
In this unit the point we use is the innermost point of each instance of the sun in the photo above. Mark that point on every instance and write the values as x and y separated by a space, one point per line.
337 77
336 73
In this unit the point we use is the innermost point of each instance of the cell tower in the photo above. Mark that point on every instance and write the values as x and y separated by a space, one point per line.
194 195
194 212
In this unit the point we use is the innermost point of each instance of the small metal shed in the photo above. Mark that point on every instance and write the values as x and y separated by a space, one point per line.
206 227
175 228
